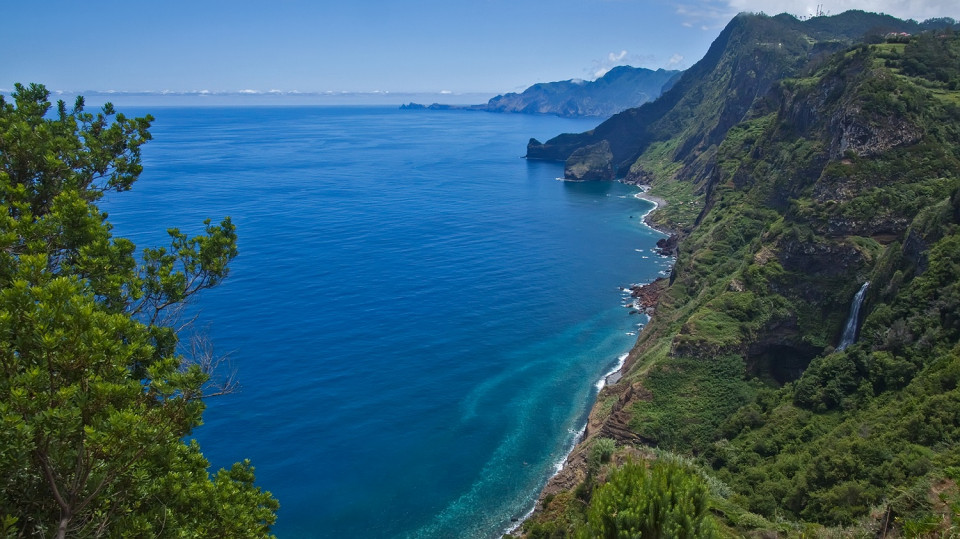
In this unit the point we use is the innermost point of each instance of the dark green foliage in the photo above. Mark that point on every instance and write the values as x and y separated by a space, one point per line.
665 500
859 25
895 415
833 467
933 56
95 401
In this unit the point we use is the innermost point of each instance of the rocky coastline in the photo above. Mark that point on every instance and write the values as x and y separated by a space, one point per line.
613 425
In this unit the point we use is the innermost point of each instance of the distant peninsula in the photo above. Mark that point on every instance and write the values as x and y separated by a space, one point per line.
621 88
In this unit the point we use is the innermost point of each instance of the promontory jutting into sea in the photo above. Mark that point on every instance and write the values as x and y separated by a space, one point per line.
417 316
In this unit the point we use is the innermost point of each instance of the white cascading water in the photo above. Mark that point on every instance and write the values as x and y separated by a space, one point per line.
850 330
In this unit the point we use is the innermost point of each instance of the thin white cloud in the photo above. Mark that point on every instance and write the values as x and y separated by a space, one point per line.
617 57
614 59
675 61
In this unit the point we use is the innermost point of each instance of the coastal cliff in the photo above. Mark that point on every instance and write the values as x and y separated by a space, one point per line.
741 65
621 88
801 159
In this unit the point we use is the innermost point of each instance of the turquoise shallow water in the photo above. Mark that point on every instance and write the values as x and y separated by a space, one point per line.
418 316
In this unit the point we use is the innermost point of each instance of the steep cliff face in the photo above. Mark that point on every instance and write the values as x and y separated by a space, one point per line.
593 162
802 200
846 171
716 93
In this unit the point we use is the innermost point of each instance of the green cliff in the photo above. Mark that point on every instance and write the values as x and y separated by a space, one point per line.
693 116
801 160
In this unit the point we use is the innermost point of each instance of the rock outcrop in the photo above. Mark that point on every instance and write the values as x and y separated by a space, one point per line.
593 162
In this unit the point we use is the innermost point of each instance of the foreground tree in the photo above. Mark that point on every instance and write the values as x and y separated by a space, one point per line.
665 500
95 401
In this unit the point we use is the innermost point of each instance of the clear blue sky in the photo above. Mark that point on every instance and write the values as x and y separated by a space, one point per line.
363 46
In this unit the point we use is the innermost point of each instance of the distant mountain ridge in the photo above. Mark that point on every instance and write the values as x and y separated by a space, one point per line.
621 88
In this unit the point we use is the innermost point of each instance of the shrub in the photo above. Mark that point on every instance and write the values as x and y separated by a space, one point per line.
665 501
600 452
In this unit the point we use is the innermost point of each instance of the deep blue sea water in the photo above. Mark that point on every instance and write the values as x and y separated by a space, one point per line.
418 317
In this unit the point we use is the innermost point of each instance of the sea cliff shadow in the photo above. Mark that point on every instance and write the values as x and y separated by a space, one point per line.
591 189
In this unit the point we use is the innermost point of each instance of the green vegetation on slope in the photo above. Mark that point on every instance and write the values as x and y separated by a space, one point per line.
748 56
875 425
666 497
845 171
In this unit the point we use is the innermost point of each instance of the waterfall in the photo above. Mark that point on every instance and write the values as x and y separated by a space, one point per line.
850 330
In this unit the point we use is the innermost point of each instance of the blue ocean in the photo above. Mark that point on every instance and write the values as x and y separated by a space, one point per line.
418 317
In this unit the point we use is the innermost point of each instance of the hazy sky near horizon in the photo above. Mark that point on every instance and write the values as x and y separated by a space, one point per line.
370 45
